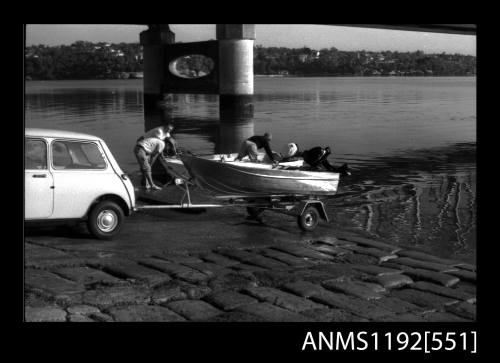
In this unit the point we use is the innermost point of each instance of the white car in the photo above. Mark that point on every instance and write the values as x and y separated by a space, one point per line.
74 176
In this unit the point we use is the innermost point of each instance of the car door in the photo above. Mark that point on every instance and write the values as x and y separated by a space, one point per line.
81 174
38 181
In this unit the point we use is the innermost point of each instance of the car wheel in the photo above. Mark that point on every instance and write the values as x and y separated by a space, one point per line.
309 219
105 219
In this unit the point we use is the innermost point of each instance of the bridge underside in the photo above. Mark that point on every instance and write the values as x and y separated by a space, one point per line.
465 29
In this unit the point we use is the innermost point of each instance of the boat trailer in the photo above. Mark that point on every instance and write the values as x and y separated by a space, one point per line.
308 209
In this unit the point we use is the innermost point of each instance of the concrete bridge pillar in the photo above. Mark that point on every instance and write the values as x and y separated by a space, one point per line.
157 109
236 86
157 105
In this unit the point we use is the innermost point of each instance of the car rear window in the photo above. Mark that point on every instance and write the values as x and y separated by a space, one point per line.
77 155
35 154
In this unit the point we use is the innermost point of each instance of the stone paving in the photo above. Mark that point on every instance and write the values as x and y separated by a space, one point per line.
341 278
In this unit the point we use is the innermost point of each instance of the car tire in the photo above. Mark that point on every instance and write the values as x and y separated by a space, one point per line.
105 220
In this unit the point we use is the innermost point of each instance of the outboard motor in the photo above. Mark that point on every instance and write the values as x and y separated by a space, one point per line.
316 155
344 170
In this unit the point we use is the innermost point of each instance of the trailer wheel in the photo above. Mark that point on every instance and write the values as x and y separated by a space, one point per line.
105 219
254 212
309 219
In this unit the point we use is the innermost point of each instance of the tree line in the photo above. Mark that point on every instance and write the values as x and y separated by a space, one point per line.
333 62
87 60
82 60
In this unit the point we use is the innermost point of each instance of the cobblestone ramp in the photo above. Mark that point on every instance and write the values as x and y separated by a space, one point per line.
340 278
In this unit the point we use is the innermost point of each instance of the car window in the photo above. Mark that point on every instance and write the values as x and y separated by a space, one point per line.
35 154
94 155
60 155
77 155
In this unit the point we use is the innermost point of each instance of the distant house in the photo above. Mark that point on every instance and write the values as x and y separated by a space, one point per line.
309 55
367 58
135 75
376 73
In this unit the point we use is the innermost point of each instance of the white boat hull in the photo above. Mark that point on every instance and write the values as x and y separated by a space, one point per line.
221 176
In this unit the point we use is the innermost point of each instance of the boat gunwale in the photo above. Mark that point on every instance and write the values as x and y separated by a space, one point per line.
257 172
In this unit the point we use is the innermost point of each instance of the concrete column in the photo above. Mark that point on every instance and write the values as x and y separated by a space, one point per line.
156 107
235 84
231 134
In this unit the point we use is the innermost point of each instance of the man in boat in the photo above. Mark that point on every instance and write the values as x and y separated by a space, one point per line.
316 158
147 150
163 133
250 147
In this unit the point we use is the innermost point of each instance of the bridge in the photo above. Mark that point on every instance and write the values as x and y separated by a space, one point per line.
464 29
231 77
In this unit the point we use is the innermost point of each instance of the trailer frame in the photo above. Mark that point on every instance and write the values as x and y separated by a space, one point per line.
308 209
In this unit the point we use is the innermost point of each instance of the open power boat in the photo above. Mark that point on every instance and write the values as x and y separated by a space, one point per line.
221 175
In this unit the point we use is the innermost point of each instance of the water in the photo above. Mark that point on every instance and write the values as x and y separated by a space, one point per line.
411 142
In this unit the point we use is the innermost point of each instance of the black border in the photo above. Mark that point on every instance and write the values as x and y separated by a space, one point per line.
186 340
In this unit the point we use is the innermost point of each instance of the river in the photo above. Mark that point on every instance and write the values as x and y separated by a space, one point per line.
410 141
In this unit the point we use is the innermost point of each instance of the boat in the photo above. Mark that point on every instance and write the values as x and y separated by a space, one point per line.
176 163
221 175
261 158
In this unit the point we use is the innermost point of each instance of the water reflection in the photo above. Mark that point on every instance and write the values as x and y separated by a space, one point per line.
200 115
410 201
86 102
412 142
232 134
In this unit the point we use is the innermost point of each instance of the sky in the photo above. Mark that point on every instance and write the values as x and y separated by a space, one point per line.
280 35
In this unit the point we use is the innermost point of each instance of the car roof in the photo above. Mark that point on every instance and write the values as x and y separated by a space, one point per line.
58 133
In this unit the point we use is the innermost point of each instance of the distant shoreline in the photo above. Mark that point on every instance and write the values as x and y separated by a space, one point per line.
353 76
260 76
